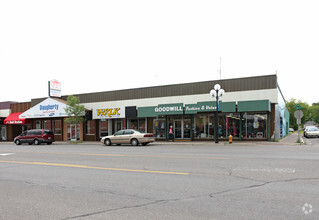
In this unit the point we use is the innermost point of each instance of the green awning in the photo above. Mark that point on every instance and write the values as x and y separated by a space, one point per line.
146 112
254 106
210 107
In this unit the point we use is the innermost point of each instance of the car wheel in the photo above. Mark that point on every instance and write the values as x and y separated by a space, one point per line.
36 142
17 142
49 143
107 142
134 142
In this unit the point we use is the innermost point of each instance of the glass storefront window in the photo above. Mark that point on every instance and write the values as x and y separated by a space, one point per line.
159 128
203 126
104 128
229 124
57 127
142 124
137 124
3 132
254 125
90 127
132 124
38 124
73 132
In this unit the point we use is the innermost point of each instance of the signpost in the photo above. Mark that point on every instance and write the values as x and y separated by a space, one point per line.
298 115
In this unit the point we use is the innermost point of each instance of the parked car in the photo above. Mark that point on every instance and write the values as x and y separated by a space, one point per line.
311 132
291 130
306 129
128 136
36 136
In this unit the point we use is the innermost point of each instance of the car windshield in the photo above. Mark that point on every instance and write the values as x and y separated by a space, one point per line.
314 129
142 132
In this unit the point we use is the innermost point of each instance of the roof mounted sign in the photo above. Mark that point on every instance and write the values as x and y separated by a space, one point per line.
54 88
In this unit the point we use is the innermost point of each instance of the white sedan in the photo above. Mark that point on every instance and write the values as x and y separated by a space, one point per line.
311 132
128 136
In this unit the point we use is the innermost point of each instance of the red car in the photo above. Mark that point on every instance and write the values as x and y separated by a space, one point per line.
36 137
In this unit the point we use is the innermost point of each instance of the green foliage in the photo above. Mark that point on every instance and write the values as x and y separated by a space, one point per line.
74 110
314 109
311 113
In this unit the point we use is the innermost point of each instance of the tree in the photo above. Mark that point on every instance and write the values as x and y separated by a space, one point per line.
311 113
291 108
74 110
314 109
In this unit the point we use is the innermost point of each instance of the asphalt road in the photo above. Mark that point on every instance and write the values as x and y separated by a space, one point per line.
159 181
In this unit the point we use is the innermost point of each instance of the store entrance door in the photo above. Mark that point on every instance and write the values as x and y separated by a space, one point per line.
187 128
178 129
73 132
3 136
116 125
182 128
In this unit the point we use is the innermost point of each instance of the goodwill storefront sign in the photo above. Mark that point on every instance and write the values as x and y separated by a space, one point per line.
164 109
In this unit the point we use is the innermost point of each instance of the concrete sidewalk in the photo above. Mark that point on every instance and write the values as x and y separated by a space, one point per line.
290 139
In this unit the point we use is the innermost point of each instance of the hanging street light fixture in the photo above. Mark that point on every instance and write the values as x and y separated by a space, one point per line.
218 93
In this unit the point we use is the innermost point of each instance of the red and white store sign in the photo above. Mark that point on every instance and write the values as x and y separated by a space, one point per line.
55 88
54 84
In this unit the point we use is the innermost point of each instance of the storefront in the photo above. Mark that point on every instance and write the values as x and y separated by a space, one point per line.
50 114
196 121
4 113
247 111
15 126
109 120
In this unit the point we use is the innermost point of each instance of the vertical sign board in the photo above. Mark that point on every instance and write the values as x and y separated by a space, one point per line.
54 88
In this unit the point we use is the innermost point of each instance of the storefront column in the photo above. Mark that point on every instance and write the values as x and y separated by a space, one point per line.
192 127
216 127
268 129
241 127
166 128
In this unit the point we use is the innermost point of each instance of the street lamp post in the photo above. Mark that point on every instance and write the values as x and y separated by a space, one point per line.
216 92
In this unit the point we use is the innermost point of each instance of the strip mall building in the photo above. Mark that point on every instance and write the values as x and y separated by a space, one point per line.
252 108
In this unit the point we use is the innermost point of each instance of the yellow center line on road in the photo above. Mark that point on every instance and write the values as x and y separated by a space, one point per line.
91 167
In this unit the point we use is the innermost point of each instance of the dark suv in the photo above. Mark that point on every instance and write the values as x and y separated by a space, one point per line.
36 137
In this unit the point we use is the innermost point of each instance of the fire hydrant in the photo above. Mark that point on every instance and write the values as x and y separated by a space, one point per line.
230 139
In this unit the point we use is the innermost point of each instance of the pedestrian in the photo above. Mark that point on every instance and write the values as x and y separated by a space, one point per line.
171 134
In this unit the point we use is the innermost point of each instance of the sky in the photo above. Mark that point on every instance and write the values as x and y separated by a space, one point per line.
95 46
